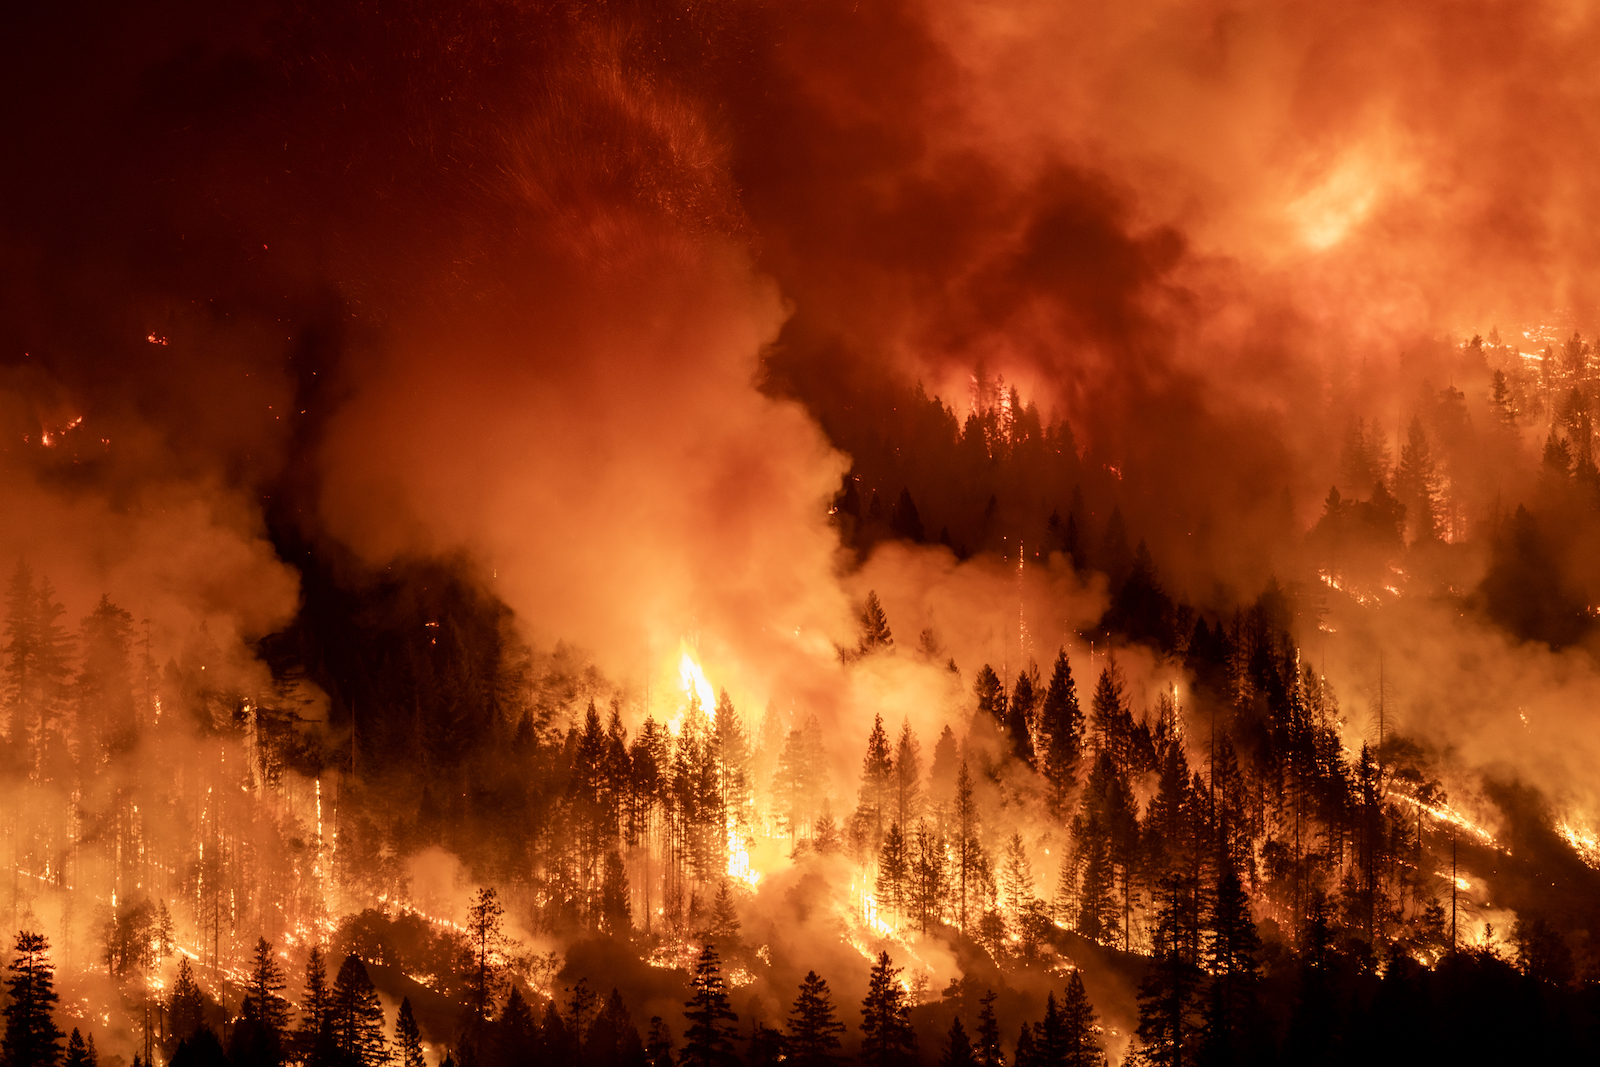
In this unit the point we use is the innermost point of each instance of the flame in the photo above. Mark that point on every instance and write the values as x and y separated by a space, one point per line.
694 683
1584 842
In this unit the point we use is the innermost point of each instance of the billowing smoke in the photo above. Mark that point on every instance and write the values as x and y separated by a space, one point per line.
609 306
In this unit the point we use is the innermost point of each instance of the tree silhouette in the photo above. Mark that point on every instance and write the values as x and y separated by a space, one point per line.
408 1037
886 1036
356 1016
957 1047
813 1029
709 1040
32 1037
988 1046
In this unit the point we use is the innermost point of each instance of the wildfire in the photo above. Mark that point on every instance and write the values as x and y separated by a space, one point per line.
1584 842
695 685
1445 813
739 855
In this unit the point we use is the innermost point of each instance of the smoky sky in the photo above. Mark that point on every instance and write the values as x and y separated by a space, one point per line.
565 287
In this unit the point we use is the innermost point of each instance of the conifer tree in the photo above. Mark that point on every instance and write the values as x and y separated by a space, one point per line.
907 776
1417 483
886 1036
511 1039
988 1047
186 1008
658 1044
316 1008
32 1038
893 872
957 1047
970 862
991 711
484 940
929 882
1168 993
1231 950
1111 720
263 999
1080 1047
709 1040
724 916
733 760
356 1019
408 1037
613 1040
77 1051
877 783
1049 1036
1019 719
1061 728
766 1047
616 916
875 633
1016 876
260 1034
813 1028
1025 1053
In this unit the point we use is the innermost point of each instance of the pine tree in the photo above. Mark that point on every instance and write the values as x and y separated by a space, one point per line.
1080 1047
263 1000
1167 994
1024 1053
971 864
929 881
709 1040
408 1037
1417 484
658 1044
724 916
893 872
886 1036
613 1040
813 1029
907 776
957 1048
1111 720
484 938
766 1047
1049 1036
186 1008
733 761
316 1008
1019 719
1061 727
31 1037
1233 944
1016 876
259 1036
877 783
988 1046
875 633
616 917
357 1016
991 711
79 1053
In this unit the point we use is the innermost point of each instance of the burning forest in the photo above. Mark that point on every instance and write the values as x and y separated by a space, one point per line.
635 534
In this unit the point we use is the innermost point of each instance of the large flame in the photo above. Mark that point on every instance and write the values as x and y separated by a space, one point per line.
695 685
